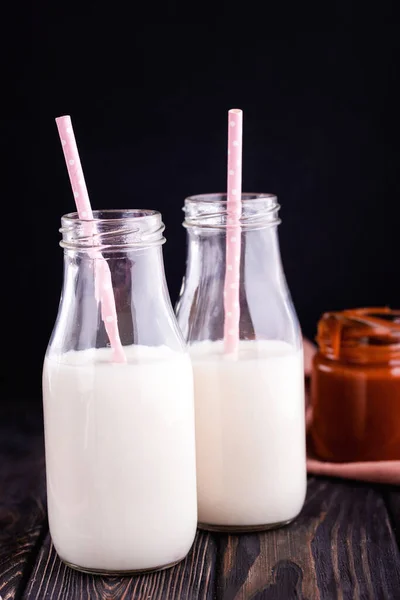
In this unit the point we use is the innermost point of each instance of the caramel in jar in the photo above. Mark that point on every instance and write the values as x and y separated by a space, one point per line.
355 386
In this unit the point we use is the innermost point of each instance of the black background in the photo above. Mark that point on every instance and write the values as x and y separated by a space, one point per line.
149 106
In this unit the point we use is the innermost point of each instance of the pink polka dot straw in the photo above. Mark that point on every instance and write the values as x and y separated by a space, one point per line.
233 232
103 282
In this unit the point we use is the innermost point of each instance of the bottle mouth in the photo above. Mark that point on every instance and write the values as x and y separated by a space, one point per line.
361 335
210 211
112 230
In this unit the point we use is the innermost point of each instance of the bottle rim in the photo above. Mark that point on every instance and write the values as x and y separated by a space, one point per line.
112 230
210 211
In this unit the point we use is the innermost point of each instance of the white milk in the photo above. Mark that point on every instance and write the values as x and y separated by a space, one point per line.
250 433
120 457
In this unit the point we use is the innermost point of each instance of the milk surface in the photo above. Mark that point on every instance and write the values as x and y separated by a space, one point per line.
250 433
120 457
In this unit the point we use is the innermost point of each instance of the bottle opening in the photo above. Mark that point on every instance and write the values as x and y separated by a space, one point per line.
112 230
211 211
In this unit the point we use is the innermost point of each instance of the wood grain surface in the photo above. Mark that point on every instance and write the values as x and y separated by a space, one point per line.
341 546
192 578
22 498
392 498
344 545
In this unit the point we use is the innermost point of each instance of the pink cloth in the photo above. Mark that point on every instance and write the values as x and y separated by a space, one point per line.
385 471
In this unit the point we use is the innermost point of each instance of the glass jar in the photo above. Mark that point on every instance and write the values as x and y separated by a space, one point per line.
120 448
355 386
250 430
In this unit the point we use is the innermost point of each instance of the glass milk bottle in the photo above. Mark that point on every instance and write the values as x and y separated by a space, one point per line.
250 429
120 446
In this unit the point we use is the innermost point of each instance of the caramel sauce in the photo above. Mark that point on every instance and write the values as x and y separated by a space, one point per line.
355 386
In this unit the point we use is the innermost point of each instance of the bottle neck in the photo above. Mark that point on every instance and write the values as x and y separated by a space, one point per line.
263 300
143 308
139 272
259 252
262 283
207 223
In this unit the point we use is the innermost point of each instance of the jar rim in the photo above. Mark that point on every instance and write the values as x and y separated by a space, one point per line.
360 335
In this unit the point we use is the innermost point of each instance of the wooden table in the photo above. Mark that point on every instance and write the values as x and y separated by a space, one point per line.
344 545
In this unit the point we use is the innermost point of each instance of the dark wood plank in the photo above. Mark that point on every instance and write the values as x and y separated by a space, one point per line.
192 579
392 497
22 497
341 547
